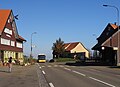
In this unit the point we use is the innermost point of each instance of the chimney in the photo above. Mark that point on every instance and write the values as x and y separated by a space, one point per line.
115 23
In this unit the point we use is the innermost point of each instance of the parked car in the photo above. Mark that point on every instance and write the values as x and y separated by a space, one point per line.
51 61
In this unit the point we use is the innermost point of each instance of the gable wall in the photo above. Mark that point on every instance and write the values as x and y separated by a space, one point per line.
112 41
10 37
107 33
80 48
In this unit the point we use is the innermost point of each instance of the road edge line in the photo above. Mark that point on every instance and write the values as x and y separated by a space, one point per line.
102 82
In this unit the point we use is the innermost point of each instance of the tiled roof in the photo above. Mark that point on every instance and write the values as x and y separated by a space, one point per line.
66 45
70 46
21 38
114 26
100 42
4 14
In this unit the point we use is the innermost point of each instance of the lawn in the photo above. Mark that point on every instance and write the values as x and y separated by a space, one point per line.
64 59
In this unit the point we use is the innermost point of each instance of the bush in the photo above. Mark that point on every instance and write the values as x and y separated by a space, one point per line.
64 59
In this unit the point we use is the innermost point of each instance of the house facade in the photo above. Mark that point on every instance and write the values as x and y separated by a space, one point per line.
11 43
108 45
76 49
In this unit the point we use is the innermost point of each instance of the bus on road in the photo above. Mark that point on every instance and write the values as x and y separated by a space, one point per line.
41 58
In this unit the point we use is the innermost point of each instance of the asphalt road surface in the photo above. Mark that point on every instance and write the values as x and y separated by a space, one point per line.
61 75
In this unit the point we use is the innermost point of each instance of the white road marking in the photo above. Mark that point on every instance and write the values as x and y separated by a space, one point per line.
61 66
67 69
102 82
43 66
49 66
37 64
79 73
51 85
67 66
43 72
55 65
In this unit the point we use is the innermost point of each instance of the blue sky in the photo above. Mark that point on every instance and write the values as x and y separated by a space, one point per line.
71 20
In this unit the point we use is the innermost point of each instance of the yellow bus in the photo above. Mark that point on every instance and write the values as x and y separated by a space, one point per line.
41 58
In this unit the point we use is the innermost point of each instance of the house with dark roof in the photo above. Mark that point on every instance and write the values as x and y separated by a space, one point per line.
76 49
11 43
107 45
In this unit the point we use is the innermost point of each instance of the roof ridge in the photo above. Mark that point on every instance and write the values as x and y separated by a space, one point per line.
72 42
71 46
114 25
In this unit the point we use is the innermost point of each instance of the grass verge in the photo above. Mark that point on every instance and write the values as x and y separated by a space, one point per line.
64 59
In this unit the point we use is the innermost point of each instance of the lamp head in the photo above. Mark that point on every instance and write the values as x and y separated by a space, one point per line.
105 5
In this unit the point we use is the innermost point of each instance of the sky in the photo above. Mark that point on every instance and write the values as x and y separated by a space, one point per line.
71 20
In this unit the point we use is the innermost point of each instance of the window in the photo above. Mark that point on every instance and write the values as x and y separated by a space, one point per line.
8 31
19 45
5 41
12 43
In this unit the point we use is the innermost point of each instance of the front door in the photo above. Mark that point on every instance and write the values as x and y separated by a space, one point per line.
16 56
2 55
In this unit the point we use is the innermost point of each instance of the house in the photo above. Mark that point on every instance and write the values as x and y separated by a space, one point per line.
76 49
107 45
11 43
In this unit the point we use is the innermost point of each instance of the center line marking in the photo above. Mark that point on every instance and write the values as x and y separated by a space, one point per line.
61 66
51 85
43 66
79 73
43 72
55 65
49 66
37 64
67 69
67 66
102 82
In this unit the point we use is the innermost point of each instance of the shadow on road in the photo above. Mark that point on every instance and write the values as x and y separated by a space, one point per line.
115 67
87 64
4 71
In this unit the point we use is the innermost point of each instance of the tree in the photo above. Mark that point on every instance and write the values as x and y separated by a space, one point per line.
58 48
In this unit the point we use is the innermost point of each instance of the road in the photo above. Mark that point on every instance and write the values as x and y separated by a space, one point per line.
61 75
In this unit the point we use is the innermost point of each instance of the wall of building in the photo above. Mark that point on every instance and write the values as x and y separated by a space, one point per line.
8 54
80 48
8 38
10 45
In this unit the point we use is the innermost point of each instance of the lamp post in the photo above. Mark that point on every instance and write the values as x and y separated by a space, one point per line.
118 52
95 51
31 44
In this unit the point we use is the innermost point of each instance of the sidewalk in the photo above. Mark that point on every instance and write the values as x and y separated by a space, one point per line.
21 76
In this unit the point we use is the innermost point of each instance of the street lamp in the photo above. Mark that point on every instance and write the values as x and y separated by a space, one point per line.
31 44
95 51
118 55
